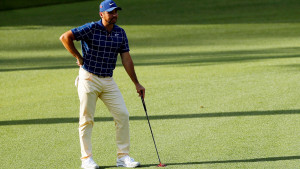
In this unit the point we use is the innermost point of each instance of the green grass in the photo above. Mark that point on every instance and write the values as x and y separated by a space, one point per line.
243 67
17 4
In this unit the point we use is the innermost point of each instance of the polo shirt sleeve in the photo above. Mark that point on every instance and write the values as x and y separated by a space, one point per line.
125 46
83 32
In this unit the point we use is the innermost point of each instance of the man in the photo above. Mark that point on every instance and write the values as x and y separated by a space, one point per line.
101 42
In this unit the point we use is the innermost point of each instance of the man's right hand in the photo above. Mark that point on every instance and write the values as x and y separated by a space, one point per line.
67 39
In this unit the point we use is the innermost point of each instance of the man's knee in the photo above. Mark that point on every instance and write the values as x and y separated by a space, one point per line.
83 124
123 114
121 119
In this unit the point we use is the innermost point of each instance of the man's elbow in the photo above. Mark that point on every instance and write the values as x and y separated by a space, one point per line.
67 36
62 38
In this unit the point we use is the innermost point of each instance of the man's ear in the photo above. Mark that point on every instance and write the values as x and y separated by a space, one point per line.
100 14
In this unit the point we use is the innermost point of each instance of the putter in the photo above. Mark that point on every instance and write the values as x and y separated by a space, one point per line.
160 164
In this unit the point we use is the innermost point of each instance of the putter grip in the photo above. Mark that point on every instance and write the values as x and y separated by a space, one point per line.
144 105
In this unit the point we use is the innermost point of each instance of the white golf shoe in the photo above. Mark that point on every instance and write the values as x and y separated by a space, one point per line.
128 162
89 163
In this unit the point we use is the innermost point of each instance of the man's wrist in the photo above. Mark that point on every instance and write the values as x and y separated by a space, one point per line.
79 57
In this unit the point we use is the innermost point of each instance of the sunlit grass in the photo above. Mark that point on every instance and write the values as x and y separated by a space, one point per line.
219 95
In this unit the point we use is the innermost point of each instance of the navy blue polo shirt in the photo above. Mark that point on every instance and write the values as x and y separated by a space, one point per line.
100 49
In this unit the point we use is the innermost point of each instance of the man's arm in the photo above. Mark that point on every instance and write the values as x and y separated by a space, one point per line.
67 40
129 67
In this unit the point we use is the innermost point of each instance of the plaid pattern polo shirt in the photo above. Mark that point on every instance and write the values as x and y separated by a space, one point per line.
100 49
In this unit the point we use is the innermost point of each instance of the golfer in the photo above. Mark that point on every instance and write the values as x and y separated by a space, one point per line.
101 42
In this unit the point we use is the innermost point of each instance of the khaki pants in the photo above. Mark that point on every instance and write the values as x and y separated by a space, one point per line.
90 88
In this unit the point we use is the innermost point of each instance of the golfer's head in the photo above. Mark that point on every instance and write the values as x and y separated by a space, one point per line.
109 11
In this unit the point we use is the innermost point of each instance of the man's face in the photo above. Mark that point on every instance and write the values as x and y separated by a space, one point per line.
110 17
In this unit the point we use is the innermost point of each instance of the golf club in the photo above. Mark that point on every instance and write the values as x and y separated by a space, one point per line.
160 164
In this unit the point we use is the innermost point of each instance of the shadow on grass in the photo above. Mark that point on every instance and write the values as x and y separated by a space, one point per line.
232 161
253 160
166 12
39 68
155 117
197 58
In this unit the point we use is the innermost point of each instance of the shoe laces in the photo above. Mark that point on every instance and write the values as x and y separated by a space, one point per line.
128 159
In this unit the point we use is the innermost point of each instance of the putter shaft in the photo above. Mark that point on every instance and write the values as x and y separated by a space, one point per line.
150 126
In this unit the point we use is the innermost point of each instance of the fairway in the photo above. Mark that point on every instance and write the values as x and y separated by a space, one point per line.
221 78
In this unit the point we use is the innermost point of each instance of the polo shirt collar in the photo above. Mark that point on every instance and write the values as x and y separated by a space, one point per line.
102 26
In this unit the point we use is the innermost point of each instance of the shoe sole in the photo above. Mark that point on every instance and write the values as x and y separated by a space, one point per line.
130 166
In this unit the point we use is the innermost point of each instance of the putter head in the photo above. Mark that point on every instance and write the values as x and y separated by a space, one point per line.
161 165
